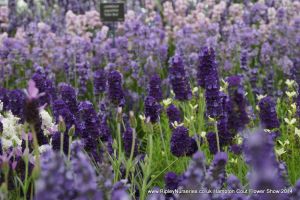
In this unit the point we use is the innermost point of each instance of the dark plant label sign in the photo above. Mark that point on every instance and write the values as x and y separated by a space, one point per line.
112 12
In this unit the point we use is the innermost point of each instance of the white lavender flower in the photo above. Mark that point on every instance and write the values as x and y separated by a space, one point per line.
11 135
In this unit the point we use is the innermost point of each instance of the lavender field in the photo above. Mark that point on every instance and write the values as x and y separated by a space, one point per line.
183 100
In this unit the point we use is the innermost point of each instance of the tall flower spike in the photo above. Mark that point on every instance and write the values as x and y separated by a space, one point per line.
222 125
115 91
90 122
128 139
178 79
212 142
17 100
174 114
237 115
55 181
100 81
268 115
154 88
193 178
41 85
207 66
85 179
152 109
181 143
208 78
171 183
216 174
265 172
68 95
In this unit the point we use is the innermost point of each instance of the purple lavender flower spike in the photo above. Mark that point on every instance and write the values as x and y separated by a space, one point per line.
154 88
171 183
233 182
58 105
17 100
68 95
237 115
174 114
55 181
207 66
152 109
127 140
85 179
265 172
216 174
105 133
181 143
119 191
212 142
115 90
208 78
100 81
90 122
178 79
268 115
40 82
194 177
222 124
56 141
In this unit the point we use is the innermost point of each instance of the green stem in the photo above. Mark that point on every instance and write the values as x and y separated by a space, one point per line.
62 143
69 150
217 135
163 140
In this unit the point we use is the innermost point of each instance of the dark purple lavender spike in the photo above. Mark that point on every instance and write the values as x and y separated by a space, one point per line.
152 109
178 79
174 114
181 143
237 114
115 90
268 115
128 140
154 88
100 81
68 95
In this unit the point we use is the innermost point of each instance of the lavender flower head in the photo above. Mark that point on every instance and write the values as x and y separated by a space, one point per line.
181 143
207 67
216 174
17 99
193 178
152 109
154 88
174 114
115 91
128 139
265 171
268 115
85 179
55 181
100 81
237 114
68 95
208 78
178 79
